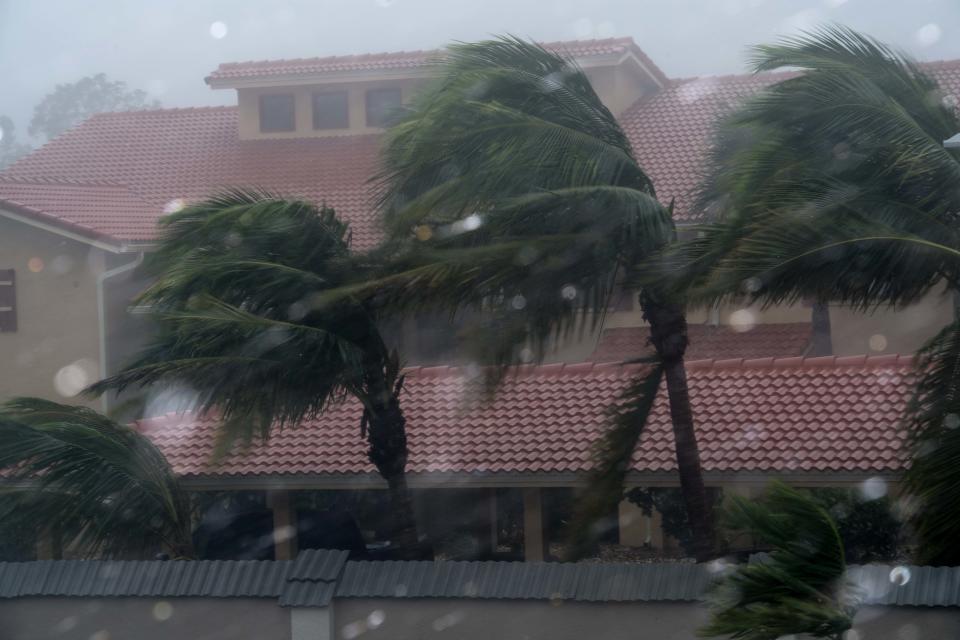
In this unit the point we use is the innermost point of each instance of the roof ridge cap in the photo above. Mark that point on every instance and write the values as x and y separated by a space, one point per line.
41 180
785 362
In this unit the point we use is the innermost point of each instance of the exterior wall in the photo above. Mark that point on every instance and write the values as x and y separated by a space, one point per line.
249 103
143 619
57 316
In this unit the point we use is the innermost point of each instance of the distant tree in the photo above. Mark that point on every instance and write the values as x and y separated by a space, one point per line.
69 104
10 149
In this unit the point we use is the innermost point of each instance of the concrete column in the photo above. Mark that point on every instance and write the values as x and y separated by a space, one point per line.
284 525
534 544
638 530
311 623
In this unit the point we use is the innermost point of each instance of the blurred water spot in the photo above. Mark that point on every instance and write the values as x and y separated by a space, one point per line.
583 28
556 598
284 533
526 355
472 222
928 34
354 629
376 618
470 589
1 134
400 590
873 488
423 232
162 611
900 575
218 30
386 3
569 292
526 255
877 342
518 302
297 311
75 377
751 285
908 632
35 264
445 622
695 90
834 3
852 634
103 634
175 205
233 239
719 567
742 320
951 421
61 265
66 624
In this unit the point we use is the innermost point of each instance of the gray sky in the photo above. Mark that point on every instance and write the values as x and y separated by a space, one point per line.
166 46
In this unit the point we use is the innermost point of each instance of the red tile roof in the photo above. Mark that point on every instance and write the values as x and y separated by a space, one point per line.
159 156
259 69
709 342
783 415
171 154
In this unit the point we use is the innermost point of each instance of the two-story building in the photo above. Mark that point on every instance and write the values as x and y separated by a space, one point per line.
78 215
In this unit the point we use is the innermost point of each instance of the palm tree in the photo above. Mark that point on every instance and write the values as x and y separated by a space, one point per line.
239 278
507 186
833 185
799 588
98 484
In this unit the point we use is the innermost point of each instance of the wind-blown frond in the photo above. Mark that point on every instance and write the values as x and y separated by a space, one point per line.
238 282
611 460
101 485
509 186
799 589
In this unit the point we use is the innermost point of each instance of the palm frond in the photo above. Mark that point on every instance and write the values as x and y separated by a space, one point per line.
799 589
611 460
102 485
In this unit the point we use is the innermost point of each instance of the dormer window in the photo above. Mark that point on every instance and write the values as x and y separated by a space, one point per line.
277 112
331 110
380 105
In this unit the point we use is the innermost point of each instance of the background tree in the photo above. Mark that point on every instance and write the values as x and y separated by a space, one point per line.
99 484
510 188
799 588
10 149
833 185
238 297
71 103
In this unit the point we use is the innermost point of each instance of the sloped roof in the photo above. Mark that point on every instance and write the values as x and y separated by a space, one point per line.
779 416
156 156
262 69
708 341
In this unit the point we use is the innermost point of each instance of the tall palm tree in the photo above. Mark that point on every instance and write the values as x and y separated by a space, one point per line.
509 187
799 589
833 184
238 283
100 485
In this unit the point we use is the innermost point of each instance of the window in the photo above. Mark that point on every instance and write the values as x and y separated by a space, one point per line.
8 300
277 112
380 104
330 110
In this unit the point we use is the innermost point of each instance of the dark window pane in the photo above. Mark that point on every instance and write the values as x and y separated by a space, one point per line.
380 103
330 110
8 300
277 113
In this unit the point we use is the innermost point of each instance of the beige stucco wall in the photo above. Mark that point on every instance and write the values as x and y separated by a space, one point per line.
143 619
56 310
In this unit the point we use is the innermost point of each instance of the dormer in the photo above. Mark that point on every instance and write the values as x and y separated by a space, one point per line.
350 95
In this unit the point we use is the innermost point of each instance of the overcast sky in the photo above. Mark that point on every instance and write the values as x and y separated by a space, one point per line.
167 46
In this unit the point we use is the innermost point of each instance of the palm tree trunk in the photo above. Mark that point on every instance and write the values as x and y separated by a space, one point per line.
668 333
386 434
821 342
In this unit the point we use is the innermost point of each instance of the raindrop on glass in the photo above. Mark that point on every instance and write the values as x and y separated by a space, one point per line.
218 30
569 292
900 575
951 421
873 488
751 285
423 232
518 302
376 618
928 34
742 320
162 611
35 264
174 206
878 342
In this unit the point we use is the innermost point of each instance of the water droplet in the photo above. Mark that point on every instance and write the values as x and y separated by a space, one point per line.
1 134
423 232
878 342
75 377
751 285
102 634
386 3
908 632
218 30
376 618
233 239
162 611
62 265
900 575
841 151
471 222
719 566
175 205
353 630
527 255
66 624
518 302
297 311
401 589
928 34
873 488
35 264
569 292
742 320
526 355
834 3
851 634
